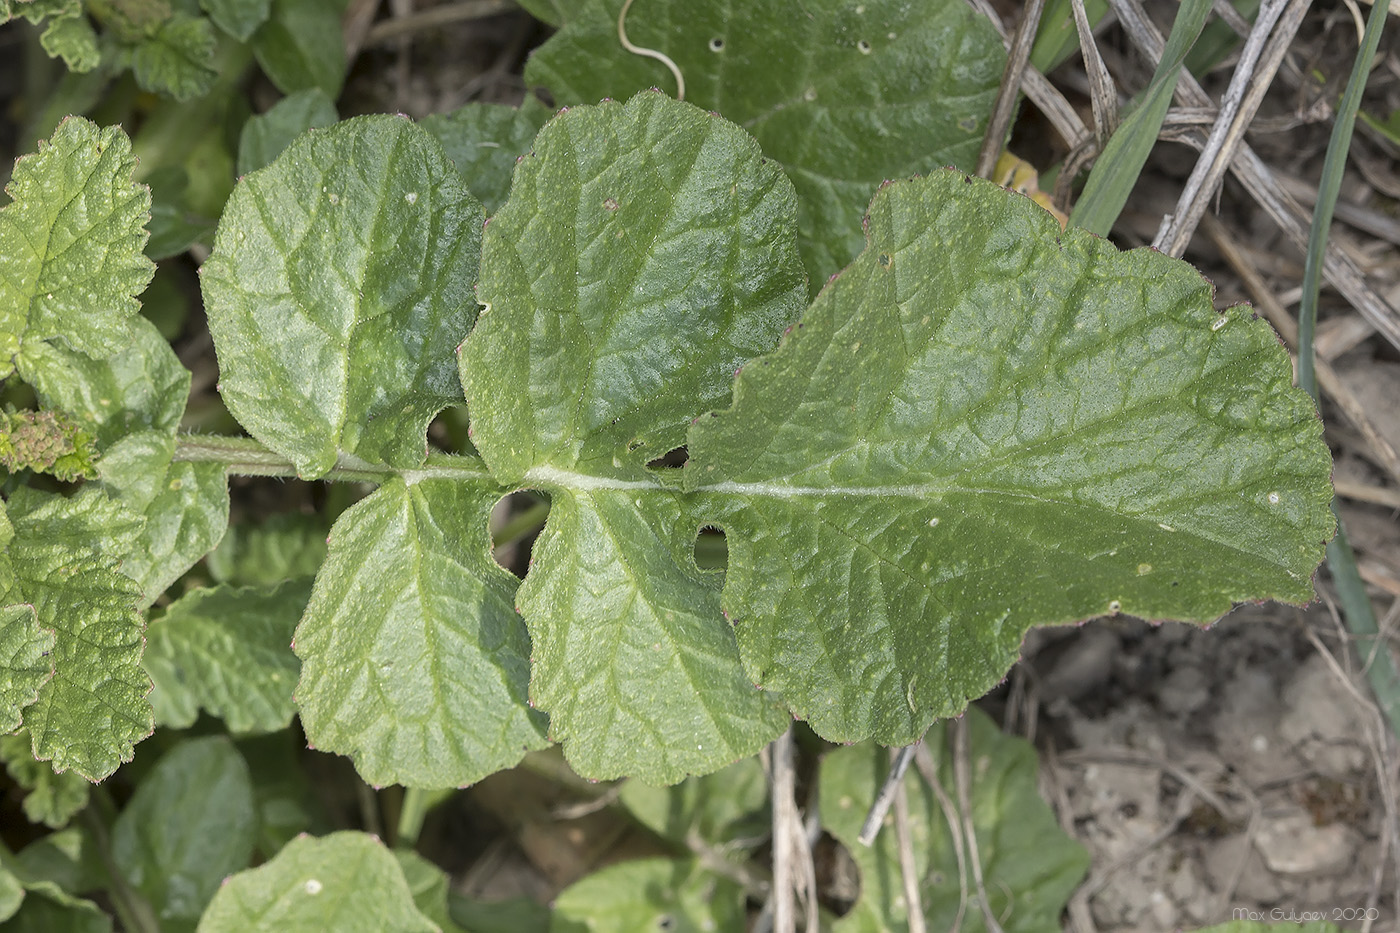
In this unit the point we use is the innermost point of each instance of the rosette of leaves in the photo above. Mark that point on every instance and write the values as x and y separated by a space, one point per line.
983 424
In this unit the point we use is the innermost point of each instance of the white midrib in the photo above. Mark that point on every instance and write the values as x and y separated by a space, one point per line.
585 482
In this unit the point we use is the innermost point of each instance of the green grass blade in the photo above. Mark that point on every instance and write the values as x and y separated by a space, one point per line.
1116 171
1356 605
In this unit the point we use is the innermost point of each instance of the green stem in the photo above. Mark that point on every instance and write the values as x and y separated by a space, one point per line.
244 456
412 812
135 914
522 524
1356 603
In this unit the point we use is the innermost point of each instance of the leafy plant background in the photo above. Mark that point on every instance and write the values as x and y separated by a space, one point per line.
263 771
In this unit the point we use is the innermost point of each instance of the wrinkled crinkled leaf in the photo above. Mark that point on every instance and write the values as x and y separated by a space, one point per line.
414 662
49 798
339 288
190 824
645 252
719 808
73 39
984 425
1029 866
485 140
24 662
300 46
70 245
345 881
238 18
177 58
135 400
844 95
227 650
266 135
285 546
650 894
64 561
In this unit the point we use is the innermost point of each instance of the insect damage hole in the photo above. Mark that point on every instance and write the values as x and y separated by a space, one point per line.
716 44
516 521
671 460
711 549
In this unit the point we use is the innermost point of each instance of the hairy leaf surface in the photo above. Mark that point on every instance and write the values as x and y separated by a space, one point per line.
64 560
70 245
414 662
645 252
843 95
981 426
1029 865
134 401
227 650
24 662
346 881
338 291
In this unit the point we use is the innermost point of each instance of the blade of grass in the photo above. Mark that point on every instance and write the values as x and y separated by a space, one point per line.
1057 37
1356 604
1118 166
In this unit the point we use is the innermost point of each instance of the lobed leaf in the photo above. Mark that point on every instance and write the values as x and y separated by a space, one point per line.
346 881
843 95
189 825
645 252
414 663
338 291
134 401
70 246
1029 865
227 650
984 425
63 560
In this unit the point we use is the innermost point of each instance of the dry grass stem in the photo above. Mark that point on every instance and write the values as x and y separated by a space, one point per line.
962 774
1017 59
908 867
875 818
434 18
1103 93
928 770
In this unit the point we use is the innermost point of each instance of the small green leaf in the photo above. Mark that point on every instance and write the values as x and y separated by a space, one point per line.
429 885
485 141
843 95
238 18
177 58
227 650
650 894
189 825
73 39
135 400
720 808
70 245
346 882
1029 866
339 288
47 908
24 649
64 561
50 798
266 135
284 547
645 252
68 857
414 662
300 46
984 425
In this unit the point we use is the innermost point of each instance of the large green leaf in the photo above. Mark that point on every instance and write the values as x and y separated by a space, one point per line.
70 245
134 400
24 662
984 425
649 894
63 560
1029 866
414 662
346 882
339 288
844 95
189 825
645 252
227 650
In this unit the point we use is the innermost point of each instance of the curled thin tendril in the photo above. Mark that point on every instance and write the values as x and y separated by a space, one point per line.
662 57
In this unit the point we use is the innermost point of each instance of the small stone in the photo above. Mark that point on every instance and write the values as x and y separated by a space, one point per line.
1291 845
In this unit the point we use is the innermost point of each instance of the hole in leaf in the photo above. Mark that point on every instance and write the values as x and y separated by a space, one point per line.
516 521
716 44
635 444
671 460
711 549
